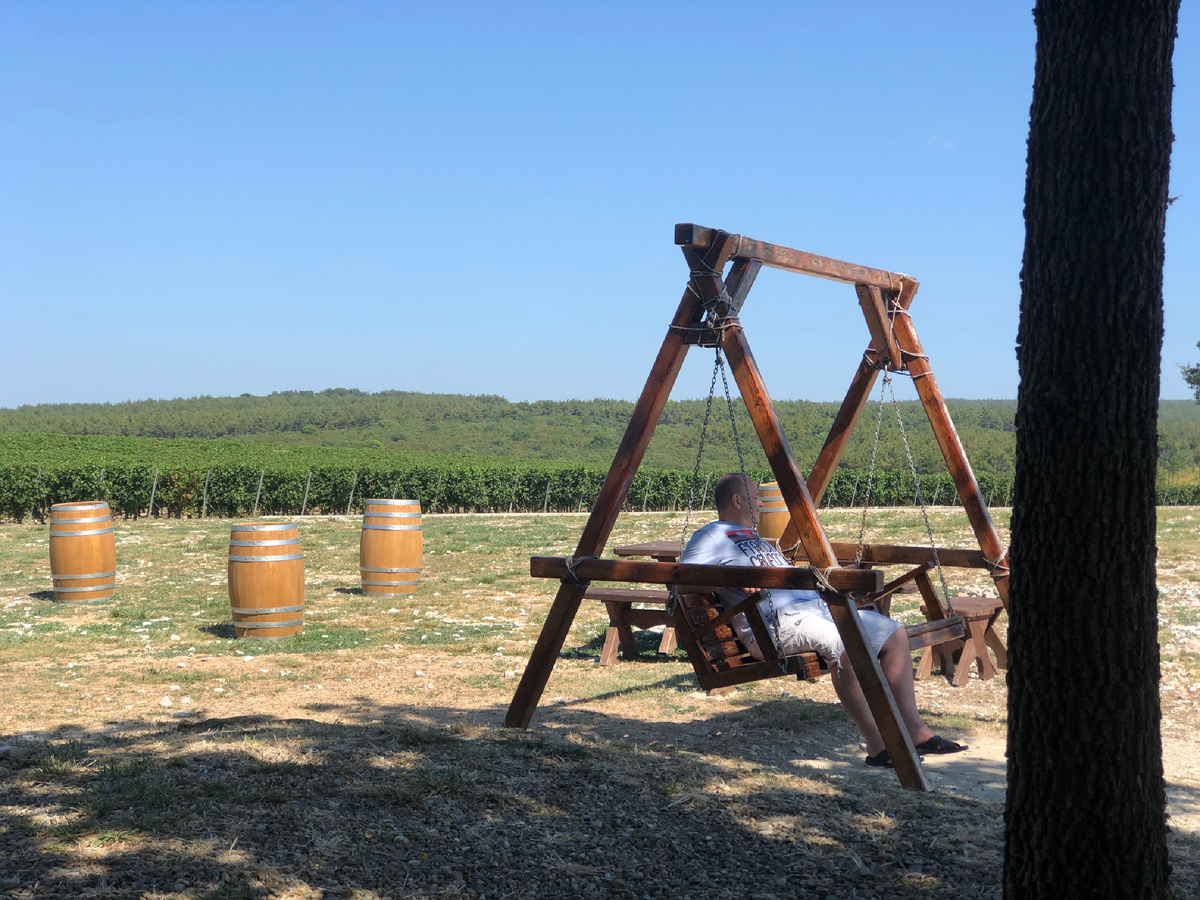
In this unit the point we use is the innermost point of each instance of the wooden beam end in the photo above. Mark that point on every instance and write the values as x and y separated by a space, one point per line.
688 234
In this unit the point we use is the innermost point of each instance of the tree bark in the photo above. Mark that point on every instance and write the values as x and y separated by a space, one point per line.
1086 806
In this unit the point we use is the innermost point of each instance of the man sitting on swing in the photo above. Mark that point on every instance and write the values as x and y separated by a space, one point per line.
802 622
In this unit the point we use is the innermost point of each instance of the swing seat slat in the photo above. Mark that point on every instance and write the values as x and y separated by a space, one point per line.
718 658
938 631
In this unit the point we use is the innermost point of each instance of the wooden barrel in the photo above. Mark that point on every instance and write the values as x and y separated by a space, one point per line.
773 517
83 552
389 551
266 580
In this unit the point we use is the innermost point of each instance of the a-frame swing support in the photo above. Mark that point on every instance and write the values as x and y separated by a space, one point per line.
710 299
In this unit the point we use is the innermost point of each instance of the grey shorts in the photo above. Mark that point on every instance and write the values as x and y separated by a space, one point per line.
813 629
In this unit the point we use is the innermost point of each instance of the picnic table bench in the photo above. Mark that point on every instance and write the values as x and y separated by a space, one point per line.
624 617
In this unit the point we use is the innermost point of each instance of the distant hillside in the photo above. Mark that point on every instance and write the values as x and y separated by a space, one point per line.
575 430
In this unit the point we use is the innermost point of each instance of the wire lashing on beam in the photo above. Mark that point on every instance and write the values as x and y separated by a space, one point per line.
720 297
573 580
822 577
996 567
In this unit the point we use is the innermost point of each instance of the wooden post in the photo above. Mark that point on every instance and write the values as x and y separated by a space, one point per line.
546 505
304 503
353 485
437 494
513 498
153 488
204 501
821 555
882 337
258 493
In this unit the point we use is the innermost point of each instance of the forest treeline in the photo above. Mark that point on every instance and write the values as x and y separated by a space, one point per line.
576 431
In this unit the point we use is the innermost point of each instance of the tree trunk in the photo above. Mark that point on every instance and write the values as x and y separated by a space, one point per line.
1086 803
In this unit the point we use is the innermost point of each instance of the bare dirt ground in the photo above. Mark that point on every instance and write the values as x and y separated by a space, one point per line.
199 767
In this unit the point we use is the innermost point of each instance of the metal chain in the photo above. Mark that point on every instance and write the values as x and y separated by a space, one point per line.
737 443
719 325
920 500
712 389
772 618
862 528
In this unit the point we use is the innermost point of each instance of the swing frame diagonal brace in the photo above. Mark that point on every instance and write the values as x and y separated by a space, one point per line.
843 426
952 449
765 419
878 694
883 340
603 517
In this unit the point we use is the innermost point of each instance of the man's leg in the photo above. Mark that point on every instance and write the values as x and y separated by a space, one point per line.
818 632
849 691
896 663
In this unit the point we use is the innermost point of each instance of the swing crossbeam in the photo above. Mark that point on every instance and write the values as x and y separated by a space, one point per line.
775 256
712 577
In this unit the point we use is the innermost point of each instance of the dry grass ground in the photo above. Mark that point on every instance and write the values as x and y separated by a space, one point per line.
152 755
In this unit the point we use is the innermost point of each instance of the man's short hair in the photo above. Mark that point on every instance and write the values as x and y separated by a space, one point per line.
727 486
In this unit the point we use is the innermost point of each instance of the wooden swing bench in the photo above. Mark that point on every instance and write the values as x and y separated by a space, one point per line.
721 660
711 651
702 625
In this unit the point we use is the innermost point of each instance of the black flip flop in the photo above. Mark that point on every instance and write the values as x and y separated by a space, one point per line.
938 744
881 759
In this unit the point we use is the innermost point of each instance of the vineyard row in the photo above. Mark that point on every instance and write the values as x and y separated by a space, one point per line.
239 490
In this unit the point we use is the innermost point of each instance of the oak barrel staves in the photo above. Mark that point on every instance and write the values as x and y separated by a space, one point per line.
389 551
774 516
83 552
266 580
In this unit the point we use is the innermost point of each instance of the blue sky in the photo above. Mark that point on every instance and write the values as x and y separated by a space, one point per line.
218 198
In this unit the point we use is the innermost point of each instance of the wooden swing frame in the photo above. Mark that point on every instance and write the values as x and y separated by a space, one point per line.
707 316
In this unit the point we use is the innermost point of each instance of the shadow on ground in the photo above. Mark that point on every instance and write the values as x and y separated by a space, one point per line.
400 801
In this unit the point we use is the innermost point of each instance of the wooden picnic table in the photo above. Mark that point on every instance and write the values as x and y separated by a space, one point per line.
623 618
663 551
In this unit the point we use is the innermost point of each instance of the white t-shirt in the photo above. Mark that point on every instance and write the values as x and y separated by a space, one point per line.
723 543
